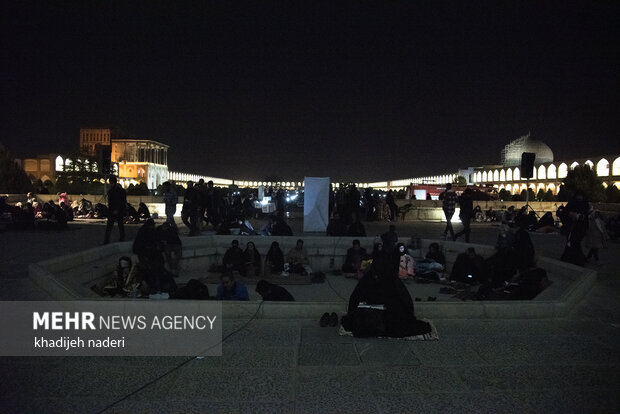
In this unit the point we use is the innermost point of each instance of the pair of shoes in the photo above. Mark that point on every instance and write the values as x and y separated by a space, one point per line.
328 320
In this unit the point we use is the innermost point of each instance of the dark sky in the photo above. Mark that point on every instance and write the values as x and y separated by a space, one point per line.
358 90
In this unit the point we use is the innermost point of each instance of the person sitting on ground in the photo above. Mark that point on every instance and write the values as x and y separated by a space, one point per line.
523 248
546 224
132 215
478 215
382 287
280 228
117 283
146 244
171 245
231 289
468 267
353 261
251 258
490 215
435 261
233 259
389 239
508 217
356 229
404 262
298 259
596 236
336 228
245 227
271 292
500 267
274 261
267 229
68 210
143 212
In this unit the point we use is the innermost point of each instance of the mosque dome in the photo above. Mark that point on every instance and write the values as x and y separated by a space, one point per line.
511 154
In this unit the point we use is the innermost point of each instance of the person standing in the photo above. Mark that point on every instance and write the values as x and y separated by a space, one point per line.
170 201
449 204
117 208
389 200
467 210
189 213
576 216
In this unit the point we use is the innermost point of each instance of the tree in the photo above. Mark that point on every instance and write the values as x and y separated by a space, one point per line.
460 180
612 194
583 178
13 179
139 189
80 176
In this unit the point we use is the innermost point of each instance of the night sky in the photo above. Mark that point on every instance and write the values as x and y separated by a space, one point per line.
356 90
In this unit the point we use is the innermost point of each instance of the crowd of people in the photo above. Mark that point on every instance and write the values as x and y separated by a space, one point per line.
382 274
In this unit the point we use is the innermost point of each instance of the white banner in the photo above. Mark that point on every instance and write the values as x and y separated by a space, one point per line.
316 204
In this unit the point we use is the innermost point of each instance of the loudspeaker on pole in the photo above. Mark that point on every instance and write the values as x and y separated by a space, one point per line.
527 164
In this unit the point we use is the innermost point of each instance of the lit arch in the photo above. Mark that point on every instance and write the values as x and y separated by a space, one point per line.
542 173
496 175
540 186
551 172
517 174
60 164
501 187
602 168
502 175
615 170
551 187
590 163
562 170
573 165
509 174
479 174
508 187
484 176
534 175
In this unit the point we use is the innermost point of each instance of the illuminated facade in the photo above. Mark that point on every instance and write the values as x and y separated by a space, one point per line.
141 160
91 137
42 167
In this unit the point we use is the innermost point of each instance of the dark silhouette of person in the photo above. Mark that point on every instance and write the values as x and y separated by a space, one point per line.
381 286
274 261
468 267
272 292
576 216
280 228
189 213
389 200
251 258
336 227
233 259
143 212
353 260
449 203
356 229
117 205
467 210
389 239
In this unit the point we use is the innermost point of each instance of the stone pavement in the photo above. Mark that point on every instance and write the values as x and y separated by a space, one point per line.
513 366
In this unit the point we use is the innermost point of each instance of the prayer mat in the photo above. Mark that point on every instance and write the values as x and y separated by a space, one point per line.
431 336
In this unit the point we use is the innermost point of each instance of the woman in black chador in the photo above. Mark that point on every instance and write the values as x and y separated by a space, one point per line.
381 286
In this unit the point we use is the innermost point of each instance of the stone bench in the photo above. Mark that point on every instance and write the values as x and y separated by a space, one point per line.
70 277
